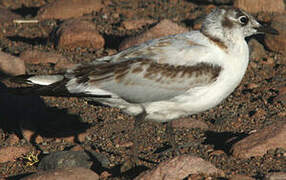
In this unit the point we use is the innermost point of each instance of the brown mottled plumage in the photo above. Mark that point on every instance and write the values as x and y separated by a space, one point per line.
151 70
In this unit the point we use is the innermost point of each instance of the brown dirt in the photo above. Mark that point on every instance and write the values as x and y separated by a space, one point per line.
54 118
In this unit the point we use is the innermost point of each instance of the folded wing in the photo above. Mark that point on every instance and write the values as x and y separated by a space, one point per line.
140 80
156 70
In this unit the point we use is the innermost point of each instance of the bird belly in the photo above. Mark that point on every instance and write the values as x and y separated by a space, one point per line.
195 100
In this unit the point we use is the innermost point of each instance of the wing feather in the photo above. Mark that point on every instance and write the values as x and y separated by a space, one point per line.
180 49
143 80
156 70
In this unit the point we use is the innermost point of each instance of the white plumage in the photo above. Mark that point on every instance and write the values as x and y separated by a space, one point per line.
171 76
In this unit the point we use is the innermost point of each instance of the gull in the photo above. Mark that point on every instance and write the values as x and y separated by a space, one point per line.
169 77
166 78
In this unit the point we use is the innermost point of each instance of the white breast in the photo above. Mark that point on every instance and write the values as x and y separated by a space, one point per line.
234 67
199 99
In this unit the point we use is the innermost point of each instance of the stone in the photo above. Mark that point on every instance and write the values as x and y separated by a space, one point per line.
258 143
77 148
11 65
39 139
282 95
217 153
101 158
70 139
28 134
64 9
277 42
82 136
13 139
136 24
276 176
65 159
241 177
62 174
252 86
255 6
39 57
179 168
77 33
105 175
163 28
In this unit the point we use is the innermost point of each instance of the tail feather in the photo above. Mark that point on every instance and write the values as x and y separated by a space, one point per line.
46 85
37 79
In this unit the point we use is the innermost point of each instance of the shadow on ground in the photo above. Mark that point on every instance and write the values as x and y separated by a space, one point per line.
30 112
223 140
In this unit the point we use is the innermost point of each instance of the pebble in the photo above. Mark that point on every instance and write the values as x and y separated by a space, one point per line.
258 143
39 139
124 144
277 42
282 90
276 176
11 153
101 158
65 159
39 57
282 114
70 139
105 175
77 148
241 177
61 174
282 95
64 9
13 139
136 24
163 28
81 137
252 85
255 6
11 65
189 123
28 134
179 168
217 153
77 33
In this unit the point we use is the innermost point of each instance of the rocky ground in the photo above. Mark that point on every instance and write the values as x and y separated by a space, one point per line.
52 137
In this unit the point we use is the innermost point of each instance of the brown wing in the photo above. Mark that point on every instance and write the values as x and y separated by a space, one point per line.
143 80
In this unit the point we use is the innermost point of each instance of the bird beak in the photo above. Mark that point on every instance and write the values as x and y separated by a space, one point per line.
266 29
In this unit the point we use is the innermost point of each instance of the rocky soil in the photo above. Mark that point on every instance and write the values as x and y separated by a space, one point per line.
67 137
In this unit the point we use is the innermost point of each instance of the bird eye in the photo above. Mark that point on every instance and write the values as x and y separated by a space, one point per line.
243 20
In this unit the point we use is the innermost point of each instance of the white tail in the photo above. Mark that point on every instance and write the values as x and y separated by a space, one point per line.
45 80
